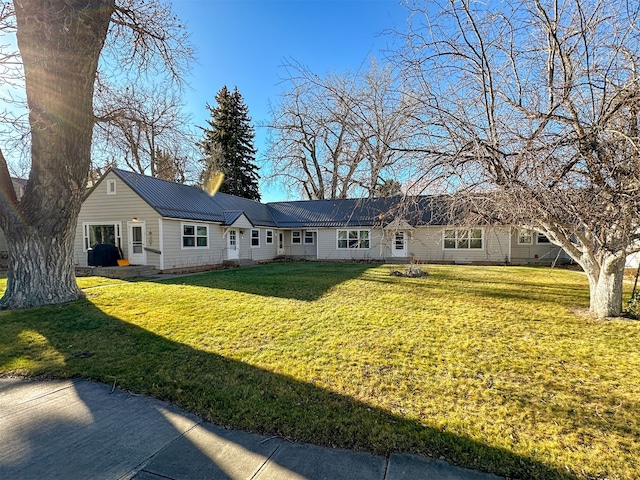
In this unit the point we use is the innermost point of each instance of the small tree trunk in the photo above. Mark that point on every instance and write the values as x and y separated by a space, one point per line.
605 288
40 271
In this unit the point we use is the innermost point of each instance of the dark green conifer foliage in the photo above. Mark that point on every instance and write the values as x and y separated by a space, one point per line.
228 146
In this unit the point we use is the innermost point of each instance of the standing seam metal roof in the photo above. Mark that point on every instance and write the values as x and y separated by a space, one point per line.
175 200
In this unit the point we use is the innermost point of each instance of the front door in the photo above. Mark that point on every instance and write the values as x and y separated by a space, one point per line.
399 247
137 254
280 243
233 253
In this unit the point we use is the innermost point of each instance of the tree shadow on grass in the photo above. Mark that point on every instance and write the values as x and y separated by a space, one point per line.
83 341
554 292
306 281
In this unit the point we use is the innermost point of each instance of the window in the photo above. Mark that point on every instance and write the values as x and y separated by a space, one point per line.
353 239
295 237
525 237
463 239
195 236
255 238
308 238
111 187
269 236
101 233
542 238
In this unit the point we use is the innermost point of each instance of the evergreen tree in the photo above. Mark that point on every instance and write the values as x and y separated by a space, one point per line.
228 146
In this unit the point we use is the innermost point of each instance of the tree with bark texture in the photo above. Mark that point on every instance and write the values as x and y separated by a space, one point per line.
60 43
228 146
532 108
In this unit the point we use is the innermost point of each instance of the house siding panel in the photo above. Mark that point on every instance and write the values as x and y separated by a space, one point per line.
175 256
121 207
264 251
328 245
426 244
535 253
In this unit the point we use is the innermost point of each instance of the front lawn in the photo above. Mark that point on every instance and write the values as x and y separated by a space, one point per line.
492 368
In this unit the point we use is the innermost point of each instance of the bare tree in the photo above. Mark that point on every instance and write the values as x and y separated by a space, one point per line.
532 108
136 123
338 136
60 43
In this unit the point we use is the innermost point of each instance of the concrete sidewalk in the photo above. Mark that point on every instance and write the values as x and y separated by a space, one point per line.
76 429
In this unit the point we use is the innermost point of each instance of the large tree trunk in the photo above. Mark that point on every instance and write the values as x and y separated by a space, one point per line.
605 287
32 281
60 42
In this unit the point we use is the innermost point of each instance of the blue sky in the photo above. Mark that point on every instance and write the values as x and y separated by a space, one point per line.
244 43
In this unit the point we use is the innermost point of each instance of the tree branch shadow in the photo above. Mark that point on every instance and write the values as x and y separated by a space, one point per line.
82 341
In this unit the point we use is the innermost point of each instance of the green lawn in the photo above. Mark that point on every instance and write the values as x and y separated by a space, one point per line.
492 368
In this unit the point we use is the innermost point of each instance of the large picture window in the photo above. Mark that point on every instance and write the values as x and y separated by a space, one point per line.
353 239
195 236
463 239
101 233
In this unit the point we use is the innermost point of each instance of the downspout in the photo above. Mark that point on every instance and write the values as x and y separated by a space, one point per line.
161 243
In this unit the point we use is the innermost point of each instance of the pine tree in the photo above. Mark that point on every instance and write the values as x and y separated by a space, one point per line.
228 146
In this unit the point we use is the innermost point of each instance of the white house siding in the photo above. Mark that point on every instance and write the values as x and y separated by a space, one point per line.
535 253
176 256
299 250
121 207
264 251
427 244
327 239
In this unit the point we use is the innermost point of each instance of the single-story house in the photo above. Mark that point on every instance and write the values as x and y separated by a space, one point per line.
172 227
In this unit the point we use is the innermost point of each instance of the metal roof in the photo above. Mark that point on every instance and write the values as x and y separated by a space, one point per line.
358 212
175 200
257 213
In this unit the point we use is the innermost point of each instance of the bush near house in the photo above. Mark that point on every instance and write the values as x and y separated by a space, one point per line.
492 368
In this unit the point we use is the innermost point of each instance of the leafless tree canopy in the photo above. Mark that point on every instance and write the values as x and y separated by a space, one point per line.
141 76
144 128
339 136
534 105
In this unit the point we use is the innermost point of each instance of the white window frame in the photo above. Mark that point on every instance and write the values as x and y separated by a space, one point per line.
354 239
461 235
111 187
195 236
309 234
523 234
268 237
297 240
257 237
85 233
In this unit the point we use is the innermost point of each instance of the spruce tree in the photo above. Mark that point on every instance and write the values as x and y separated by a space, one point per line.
228 146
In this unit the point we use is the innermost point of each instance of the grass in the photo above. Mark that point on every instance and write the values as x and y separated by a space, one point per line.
492 368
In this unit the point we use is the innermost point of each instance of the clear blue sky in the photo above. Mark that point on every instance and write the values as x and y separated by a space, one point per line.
244 43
